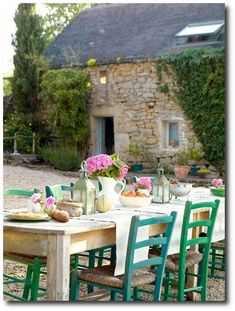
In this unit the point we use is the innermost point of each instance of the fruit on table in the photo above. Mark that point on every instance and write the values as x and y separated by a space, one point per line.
134 194
103 204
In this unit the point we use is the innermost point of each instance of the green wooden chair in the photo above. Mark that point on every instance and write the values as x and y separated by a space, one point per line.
95 256
34 265
177 265
217 260
136 274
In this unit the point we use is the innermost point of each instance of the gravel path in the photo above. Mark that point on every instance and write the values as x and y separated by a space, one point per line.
22 177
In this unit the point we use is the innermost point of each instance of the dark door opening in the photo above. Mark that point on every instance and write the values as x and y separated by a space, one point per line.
109 136
105 135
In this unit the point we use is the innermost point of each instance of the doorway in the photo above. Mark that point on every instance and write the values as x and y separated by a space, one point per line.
105 139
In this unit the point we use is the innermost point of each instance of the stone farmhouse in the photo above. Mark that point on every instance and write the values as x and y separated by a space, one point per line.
127 40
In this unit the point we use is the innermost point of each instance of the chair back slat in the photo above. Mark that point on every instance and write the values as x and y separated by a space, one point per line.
19 192
199 223
151 242
200 240
154 261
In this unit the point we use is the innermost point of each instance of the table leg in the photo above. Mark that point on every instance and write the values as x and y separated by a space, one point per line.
58 267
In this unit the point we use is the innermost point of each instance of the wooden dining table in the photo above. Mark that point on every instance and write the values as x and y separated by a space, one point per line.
57 241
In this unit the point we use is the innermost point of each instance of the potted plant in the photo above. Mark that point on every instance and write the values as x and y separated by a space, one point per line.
195 155
181 169
204 173
134 150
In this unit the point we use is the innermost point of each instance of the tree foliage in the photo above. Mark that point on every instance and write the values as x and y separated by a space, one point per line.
58 17
29 45
66 90
201 93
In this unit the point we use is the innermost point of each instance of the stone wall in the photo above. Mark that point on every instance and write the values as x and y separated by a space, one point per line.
133 96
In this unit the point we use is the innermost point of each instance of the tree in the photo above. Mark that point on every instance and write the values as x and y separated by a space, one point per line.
65 92
29 44
59 15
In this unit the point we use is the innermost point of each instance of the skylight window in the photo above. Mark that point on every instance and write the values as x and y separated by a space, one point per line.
207 33
200 29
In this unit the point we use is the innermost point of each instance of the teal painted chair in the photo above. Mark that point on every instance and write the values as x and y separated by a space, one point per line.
217 260
34 265
216 265
136 274
96 256
177 265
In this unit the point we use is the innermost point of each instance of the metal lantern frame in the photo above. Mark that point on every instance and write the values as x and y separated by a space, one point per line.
161 187
85 192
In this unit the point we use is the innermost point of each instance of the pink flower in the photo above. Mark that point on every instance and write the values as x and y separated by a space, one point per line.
217 183
143 183
98 163
123 173
36 197
107 166
50 201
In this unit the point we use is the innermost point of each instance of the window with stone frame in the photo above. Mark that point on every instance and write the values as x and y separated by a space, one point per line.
170 134
103 77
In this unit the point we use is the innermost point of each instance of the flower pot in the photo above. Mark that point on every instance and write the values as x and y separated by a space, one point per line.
194 170
137 167
181 171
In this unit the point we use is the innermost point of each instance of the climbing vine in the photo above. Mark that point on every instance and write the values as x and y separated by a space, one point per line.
200 75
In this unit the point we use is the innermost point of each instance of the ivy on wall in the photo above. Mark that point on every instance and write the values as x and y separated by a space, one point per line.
200 75
66 90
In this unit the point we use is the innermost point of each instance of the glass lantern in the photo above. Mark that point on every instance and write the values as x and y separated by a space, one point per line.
84 192
161 187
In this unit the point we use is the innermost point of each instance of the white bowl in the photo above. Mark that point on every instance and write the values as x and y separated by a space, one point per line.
180 189
135 201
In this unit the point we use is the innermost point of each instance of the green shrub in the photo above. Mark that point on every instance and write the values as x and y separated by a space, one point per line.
63 159
19 124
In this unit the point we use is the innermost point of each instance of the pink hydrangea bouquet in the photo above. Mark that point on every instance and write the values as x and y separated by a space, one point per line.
218 183
106 166
143 183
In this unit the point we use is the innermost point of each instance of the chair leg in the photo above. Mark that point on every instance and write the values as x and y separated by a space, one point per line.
35 280
74 293
167 286
28 282
101 255
213 259
113 255
136 293
91 264
113 296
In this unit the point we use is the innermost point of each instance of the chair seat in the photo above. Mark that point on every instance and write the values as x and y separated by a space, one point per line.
172 261
105 275
219 244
